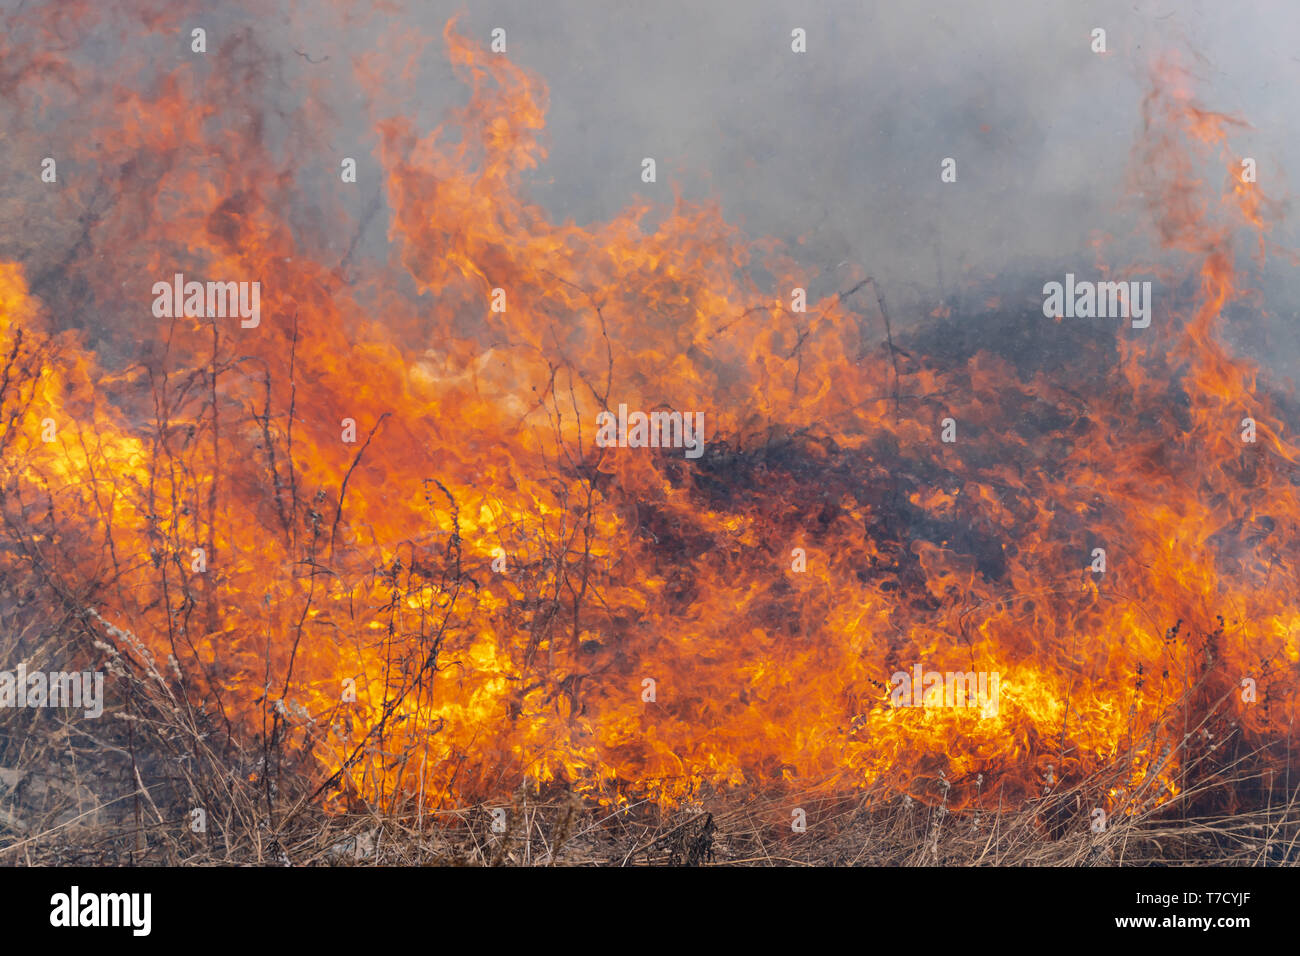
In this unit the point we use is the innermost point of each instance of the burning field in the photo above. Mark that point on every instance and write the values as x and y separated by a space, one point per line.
495 536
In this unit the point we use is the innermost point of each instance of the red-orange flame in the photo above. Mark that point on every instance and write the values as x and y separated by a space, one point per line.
370 565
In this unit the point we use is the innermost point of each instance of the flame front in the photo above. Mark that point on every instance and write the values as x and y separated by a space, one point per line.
333 565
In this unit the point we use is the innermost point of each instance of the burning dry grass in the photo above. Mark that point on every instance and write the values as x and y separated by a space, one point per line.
125 788
310 639
94 806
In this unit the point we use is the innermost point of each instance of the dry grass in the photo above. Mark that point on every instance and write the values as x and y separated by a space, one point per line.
120 790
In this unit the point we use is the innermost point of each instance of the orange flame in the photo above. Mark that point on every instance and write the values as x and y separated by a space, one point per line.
334 567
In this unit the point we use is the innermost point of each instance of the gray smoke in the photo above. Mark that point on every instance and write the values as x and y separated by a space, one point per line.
842 145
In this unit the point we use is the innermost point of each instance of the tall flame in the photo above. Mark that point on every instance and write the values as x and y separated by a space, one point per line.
370 565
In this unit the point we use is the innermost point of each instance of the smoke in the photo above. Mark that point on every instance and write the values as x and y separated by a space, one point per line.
836 151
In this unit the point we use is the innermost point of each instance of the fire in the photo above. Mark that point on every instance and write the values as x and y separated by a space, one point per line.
473 592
